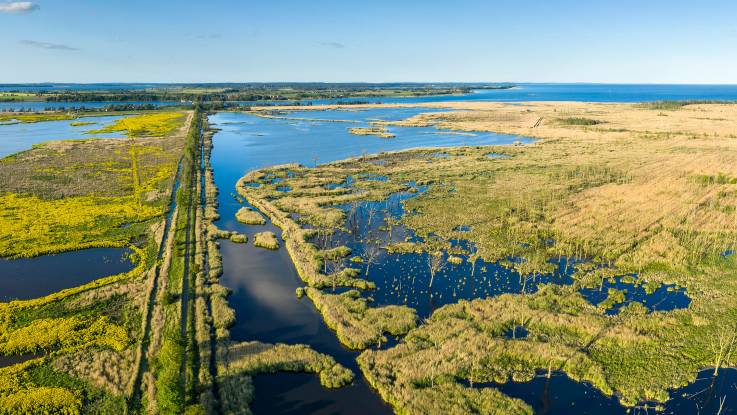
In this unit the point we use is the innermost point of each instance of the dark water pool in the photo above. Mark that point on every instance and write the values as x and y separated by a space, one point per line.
406 278
6 361
26 278
665 297
559 395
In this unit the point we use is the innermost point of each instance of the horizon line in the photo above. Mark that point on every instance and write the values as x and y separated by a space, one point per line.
5 84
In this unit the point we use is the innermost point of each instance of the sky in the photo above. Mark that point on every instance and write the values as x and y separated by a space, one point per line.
622 41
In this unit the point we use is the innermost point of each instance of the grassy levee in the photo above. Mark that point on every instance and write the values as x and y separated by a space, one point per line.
37 117
170 373
644 192
205 396
379 131
69 195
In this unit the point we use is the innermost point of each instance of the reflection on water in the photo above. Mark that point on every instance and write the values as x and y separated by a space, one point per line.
26 278
407 278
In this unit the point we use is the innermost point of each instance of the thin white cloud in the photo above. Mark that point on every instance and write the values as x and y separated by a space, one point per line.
210 36
334 45
47 45
18 7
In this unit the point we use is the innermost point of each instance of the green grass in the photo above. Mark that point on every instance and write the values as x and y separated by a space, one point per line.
578 121
671 105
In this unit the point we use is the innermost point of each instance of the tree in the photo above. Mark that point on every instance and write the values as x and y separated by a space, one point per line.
352 220
371 212
472 260
436 261
723 346
325 237
335 265
390 224
370 253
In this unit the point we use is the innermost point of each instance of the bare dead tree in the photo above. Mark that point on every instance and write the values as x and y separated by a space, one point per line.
721 404
371 212
723 346
390 224
335 265
472 259
327 234
352 221
370 253
436 261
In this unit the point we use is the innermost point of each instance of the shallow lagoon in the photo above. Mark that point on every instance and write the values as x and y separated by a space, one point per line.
22 136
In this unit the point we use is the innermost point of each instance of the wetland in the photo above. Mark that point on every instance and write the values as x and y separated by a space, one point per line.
454 257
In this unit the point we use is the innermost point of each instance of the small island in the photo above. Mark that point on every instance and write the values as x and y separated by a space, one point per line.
377 131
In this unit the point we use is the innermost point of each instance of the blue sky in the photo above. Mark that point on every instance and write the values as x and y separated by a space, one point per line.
374 41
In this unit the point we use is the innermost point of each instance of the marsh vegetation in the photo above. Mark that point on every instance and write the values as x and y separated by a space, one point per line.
644 297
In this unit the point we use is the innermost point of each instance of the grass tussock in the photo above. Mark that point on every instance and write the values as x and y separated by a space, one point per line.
239 238
266 240
357 325
253 358
377 131
249 216
578 121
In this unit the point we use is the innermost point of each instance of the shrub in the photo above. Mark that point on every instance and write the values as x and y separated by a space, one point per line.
578 121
